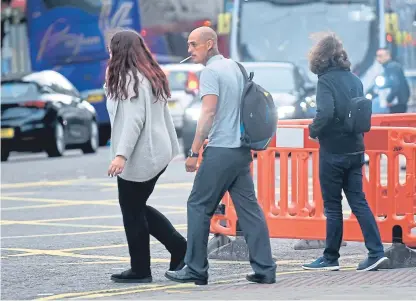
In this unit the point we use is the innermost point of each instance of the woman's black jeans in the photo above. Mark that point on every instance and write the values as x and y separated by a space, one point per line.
140 220
339 172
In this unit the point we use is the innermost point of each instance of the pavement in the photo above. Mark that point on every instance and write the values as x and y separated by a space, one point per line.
62 237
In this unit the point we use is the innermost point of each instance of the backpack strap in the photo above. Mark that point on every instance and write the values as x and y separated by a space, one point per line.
243 70
244 137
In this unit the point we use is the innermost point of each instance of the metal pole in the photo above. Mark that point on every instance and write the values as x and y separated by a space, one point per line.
382 29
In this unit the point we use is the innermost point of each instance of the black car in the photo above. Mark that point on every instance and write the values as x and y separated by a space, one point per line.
291 89
43 111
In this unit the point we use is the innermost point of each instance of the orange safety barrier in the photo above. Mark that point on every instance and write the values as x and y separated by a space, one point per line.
401 120
294 209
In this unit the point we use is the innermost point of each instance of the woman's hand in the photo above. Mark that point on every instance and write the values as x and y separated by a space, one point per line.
116 166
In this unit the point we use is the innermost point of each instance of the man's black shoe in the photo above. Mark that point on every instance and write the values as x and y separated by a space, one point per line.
129 276
183 276
260 279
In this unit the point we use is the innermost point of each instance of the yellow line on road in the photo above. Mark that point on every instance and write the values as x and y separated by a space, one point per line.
8 222
63 203
35 207
121 229
54 201
96 181
38 223
18 193
68 219
59 253
47 221
99 247
39 184
60 234
177 292
62 253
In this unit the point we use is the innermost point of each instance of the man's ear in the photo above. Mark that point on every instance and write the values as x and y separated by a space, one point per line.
210 44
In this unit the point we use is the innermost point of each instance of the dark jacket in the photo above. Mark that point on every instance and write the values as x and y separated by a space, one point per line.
335 88
396 80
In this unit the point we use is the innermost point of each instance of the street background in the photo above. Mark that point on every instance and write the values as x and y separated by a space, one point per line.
62 234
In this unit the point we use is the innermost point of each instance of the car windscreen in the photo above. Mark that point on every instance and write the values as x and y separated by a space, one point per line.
12 92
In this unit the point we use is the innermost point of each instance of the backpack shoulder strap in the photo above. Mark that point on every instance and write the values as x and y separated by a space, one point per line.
243 70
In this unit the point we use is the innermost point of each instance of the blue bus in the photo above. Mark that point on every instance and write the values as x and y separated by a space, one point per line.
70 36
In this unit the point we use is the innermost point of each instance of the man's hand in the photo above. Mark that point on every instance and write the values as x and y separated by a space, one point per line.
190 164
116 166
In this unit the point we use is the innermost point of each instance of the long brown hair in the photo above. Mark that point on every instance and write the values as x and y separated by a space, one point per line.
326 53
129 53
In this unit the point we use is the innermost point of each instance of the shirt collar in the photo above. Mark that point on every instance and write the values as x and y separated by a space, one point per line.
215 58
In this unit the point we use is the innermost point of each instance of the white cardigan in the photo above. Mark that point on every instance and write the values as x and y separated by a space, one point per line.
142 131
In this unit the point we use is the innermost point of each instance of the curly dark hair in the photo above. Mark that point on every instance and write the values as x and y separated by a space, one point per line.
326 53
129 53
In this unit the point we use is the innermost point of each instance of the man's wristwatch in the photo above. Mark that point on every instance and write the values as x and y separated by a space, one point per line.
192 154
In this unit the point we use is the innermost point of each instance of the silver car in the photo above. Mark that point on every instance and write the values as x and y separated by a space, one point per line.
184 85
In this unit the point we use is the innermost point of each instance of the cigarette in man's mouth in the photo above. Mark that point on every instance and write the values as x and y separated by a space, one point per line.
184 60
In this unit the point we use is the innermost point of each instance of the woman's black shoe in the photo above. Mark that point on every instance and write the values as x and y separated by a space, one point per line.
131 277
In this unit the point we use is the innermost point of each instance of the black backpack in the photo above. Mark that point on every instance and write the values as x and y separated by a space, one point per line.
358 115
258 114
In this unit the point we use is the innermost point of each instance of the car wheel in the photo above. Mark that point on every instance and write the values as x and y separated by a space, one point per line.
92 144
4 154
58 145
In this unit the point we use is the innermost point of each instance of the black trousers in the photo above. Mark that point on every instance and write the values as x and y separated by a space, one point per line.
140 220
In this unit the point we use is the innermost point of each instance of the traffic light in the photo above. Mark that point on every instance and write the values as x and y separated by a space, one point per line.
391 45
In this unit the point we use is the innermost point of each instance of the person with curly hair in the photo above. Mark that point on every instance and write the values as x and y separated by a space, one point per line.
341 154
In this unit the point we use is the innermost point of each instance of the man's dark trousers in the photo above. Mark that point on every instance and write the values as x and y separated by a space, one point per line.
339 172
222 170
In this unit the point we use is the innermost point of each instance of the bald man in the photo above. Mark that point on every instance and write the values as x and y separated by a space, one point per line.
225 166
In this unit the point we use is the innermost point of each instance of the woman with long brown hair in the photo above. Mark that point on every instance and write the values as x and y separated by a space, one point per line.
143 142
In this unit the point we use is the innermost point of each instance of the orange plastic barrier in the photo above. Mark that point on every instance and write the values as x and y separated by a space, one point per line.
404 119
400 120
294 209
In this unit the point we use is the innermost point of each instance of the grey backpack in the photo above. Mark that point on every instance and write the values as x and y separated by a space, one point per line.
258 114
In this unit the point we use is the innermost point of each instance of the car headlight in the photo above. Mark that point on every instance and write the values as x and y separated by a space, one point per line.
285 111
193 113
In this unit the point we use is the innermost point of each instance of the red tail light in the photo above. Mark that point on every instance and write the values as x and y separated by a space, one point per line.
34 104
193 82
